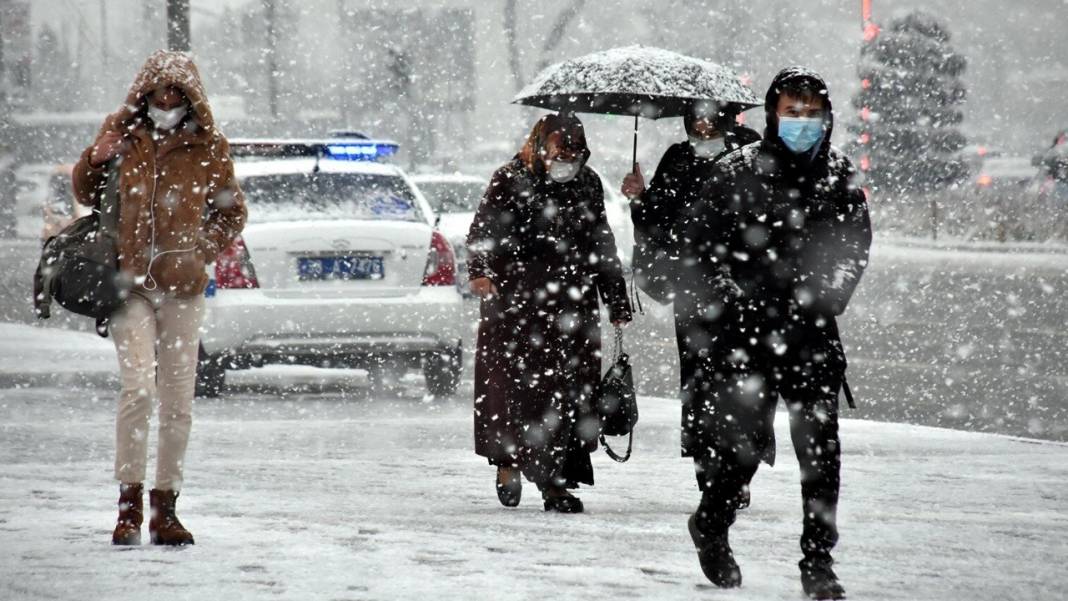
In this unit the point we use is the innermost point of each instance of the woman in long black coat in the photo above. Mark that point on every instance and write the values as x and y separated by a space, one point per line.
541 252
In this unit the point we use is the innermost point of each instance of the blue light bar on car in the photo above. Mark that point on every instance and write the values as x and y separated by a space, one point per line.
337 148
360 150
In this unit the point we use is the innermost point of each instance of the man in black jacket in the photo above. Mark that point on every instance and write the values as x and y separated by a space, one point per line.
660 211
777 248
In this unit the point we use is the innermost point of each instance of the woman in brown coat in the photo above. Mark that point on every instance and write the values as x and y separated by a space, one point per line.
541 253
179 207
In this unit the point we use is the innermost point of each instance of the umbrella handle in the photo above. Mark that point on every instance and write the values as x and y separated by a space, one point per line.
634 158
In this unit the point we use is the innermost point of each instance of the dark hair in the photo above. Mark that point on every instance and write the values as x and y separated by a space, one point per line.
566 124
802 88
723 119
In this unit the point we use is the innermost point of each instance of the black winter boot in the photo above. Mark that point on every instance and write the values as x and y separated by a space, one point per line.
716 557
561 501
819 580
509 486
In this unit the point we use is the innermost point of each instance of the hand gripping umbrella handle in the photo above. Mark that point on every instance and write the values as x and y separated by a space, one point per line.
634 158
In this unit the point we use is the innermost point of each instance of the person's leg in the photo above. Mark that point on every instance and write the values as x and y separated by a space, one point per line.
813 405
133 330
179 340
723 480
734 440
814 430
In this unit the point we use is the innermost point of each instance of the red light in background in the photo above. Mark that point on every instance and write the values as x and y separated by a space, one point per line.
871 31
981 151
865 114
985 180
865 83
865 163
864 138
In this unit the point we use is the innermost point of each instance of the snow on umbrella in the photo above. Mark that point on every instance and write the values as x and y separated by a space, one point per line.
636 80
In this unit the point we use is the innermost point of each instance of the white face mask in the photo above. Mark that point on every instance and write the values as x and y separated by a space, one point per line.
707 149
564 171
166 120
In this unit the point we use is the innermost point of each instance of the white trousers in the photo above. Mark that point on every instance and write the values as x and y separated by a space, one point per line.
157 338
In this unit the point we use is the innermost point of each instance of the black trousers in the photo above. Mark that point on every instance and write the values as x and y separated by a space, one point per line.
811 396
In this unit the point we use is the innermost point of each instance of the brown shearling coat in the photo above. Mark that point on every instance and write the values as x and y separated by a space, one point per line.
180 204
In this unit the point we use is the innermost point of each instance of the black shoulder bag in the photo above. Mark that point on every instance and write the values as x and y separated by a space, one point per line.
616 403
79 265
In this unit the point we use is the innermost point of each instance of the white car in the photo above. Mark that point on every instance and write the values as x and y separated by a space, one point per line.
456 197
338 266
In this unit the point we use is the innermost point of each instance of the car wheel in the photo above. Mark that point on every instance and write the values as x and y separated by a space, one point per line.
211 375
442 371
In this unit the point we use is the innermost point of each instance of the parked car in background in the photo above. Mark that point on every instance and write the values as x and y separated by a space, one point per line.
339 266
455 198
1005 175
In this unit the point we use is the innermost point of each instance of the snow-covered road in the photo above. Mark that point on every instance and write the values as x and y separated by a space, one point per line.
335 494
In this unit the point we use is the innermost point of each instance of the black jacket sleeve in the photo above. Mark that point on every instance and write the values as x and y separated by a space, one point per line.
841 253
703 242
654 217
610 282
489 229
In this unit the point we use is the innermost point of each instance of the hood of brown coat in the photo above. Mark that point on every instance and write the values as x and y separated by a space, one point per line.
166 68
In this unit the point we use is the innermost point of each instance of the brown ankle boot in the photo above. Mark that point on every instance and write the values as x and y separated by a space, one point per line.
131 515
164 527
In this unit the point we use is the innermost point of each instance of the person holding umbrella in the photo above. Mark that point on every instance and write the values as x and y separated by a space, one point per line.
541 253
661 211
780 244
708 96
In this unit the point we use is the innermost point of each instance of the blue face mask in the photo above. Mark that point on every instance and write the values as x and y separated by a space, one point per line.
800 134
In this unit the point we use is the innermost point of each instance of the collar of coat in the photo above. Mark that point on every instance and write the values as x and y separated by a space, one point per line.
831 170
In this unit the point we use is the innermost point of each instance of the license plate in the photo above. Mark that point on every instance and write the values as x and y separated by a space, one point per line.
340 268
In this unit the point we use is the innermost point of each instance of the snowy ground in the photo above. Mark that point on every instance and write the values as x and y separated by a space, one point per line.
334 493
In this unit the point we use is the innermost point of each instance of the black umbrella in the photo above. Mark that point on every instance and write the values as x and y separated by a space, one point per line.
640 81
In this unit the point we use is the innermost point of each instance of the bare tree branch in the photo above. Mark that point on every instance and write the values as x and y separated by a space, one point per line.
513 44
556 35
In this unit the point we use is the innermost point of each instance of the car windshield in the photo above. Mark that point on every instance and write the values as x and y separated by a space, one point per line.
329 196
453 197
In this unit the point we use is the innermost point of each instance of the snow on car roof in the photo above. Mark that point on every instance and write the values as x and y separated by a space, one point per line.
459 178
260 167
1009 167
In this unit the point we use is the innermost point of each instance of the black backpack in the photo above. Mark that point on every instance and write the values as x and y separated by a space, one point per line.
79 265
616 403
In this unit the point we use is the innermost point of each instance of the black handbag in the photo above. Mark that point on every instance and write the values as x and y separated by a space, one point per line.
616 403
79 265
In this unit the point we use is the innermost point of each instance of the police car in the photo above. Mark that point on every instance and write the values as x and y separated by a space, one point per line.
339 265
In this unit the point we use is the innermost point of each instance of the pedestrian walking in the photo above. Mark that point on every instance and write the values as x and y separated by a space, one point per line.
541 254
780 244
179 207
661 211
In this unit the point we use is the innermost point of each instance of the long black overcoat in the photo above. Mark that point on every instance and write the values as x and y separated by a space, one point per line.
549 250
